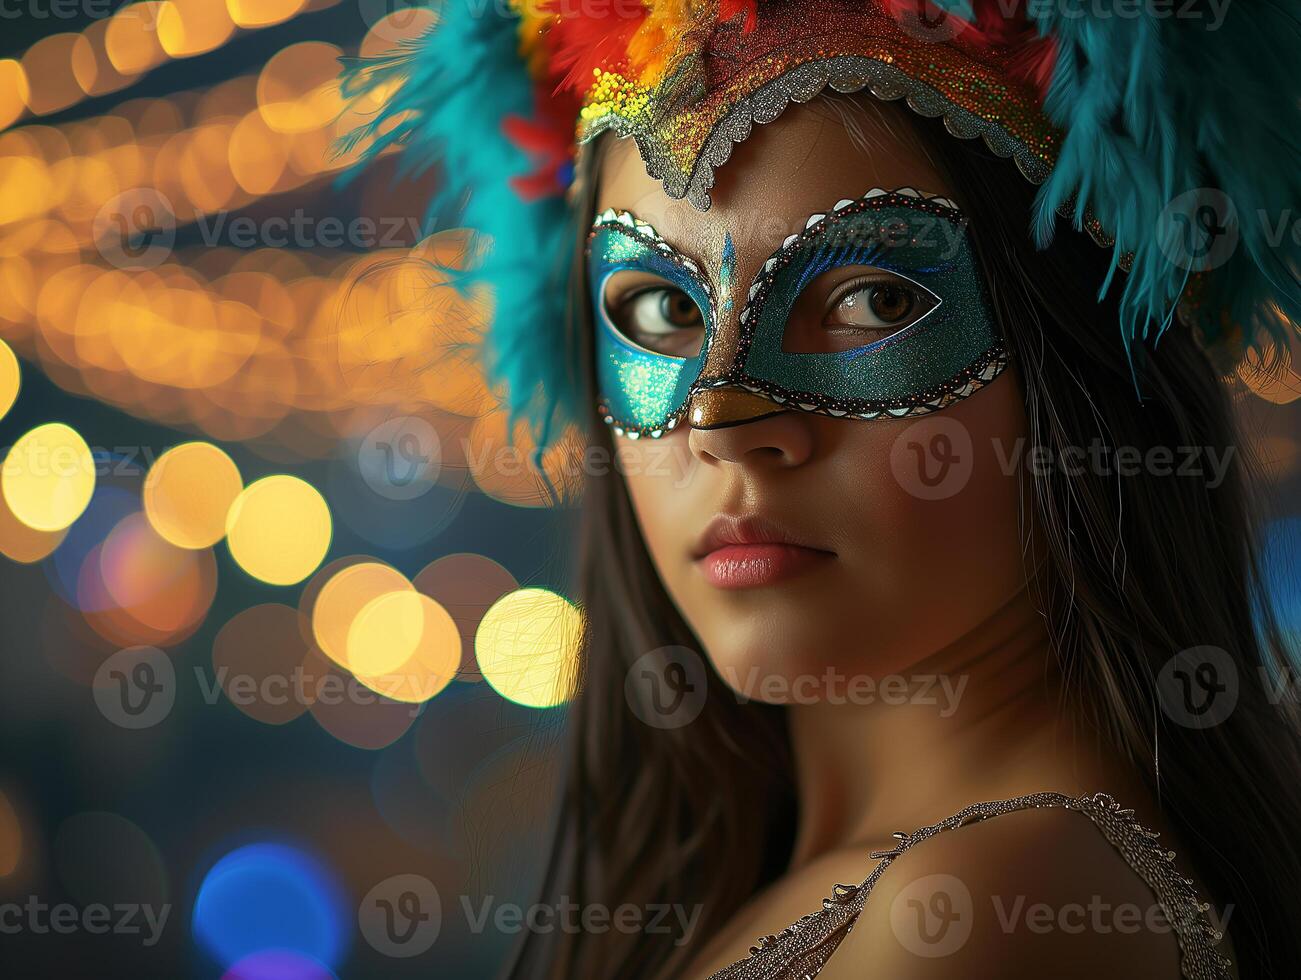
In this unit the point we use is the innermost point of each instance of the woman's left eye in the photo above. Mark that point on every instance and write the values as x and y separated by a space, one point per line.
880 304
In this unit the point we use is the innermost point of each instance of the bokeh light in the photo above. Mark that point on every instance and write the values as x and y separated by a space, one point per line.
189 492
405 646
277 964
257 659
279 529
109 505
192 27
263 13
527 647
350 711
270 897
144 589
336 605
49 477
466 585
24 544
14 91
10 378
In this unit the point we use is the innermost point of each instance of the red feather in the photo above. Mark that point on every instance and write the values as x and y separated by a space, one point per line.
728 9
580 43
547 137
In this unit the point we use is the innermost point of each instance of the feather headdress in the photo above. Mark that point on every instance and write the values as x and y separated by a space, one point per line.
1169 132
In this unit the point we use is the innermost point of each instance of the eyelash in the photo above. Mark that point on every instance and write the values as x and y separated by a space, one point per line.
857 285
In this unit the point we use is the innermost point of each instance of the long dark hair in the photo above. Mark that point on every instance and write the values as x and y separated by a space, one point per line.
1138 568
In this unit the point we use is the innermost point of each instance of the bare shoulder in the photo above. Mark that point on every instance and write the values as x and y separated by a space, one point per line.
1034 893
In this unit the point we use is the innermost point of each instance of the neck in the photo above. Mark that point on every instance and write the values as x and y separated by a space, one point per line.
993 724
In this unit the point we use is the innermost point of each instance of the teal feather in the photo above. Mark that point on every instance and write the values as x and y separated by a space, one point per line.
455 86
1161 116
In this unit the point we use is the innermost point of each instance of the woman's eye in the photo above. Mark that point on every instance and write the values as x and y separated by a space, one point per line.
661 318
880 305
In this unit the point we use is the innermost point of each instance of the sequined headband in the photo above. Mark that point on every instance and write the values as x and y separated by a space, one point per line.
1118 110
687 110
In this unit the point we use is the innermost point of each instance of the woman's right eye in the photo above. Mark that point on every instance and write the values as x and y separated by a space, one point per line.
661 318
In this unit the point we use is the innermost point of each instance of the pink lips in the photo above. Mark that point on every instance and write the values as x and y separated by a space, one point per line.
749 552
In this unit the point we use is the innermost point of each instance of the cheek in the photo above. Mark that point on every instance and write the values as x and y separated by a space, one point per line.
934 528
658 474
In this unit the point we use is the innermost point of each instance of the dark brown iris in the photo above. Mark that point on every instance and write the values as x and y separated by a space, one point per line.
890 303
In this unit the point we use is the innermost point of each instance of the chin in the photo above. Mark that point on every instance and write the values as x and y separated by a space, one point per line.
801 654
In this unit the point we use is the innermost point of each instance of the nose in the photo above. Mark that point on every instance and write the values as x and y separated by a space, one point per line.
736 426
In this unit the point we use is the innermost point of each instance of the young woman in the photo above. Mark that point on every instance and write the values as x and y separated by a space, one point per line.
911 568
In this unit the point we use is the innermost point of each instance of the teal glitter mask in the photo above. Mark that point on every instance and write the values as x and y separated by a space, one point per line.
945 355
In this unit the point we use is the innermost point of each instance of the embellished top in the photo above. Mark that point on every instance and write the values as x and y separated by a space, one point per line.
800 951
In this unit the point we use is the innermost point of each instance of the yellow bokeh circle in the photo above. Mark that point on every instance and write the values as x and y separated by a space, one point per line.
48 477
279 529
341 601
189 492
527 647
10 378
405 646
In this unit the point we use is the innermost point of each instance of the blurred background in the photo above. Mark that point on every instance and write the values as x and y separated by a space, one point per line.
255 515
284 613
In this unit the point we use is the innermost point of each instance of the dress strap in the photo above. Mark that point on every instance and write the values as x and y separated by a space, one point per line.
800 951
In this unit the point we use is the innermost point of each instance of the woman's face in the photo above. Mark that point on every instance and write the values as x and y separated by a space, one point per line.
797 543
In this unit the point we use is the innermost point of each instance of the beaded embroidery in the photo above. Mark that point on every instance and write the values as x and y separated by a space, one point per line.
800 951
